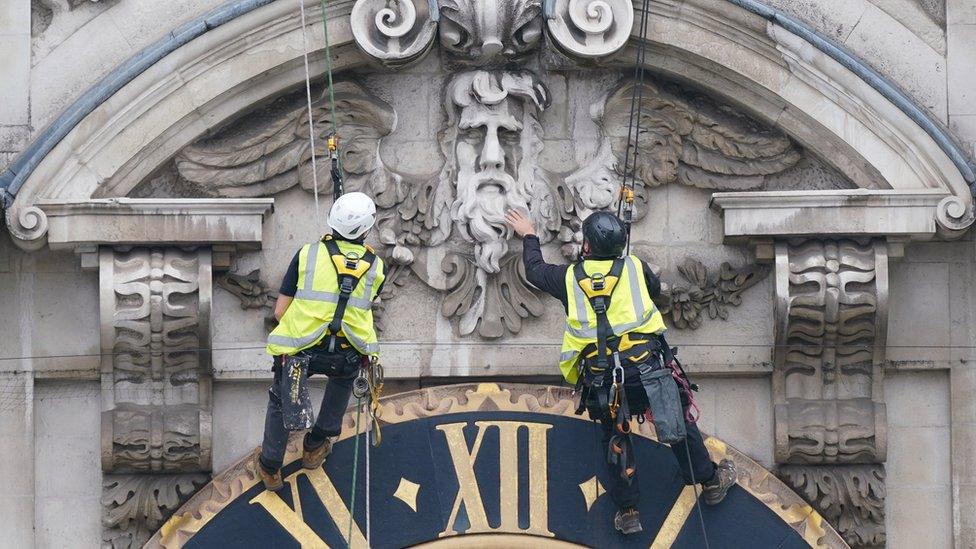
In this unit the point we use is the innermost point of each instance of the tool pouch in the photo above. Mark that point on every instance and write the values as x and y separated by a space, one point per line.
296 403
666 409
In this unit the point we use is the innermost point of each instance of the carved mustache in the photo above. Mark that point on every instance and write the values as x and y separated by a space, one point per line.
492 176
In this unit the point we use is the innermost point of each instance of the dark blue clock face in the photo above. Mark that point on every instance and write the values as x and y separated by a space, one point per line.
484 473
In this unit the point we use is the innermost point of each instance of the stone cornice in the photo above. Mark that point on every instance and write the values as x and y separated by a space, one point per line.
131 221
903 214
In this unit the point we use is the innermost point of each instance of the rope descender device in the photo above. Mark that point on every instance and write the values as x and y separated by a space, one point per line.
336 171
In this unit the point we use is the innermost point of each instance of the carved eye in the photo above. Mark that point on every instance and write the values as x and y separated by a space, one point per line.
473 133
508 135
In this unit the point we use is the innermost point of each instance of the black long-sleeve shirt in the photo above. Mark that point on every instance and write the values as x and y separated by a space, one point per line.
551 278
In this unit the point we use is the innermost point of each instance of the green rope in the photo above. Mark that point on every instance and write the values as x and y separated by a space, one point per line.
355 471
328 71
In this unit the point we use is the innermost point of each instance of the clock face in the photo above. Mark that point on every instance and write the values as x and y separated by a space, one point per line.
486 467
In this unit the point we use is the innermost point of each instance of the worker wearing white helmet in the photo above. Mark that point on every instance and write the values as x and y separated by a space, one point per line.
325 316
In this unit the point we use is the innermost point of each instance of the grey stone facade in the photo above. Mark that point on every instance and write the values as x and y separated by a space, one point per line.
815 243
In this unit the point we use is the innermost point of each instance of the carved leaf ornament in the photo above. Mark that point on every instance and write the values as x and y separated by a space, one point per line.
686 302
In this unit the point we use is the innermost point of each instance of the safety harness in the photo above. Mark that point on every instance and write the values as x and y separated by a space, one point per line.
350 268
598 289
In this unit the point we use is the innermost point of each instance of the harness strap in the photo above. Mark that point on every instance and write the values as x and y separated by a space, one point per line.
600 301
348 279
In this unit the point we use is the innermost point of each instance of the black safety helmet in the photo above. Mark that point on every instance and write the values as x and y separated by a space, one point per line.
606 235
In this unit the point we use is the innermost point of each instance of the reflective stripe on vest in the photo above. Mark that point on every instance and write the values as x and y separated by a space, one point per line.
306 321
631 310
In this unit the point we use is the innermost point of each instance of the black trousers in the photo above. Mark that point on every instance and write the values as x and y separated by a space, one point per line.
341 367
627 494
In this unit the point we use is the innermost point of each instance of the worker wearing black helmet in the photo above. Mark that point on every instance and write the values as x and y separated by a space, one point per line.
614 352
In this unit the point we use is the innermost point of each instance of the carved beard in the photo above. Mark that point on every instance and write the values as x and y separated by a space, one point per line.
479 213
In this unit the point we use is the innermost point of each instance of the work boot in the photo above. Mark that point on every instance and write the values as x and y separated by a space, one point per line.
627 521
272 479
312 458
715 489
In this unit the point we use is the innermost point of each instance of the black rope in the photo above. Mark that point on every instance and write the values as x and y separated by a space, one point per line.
633 128
694 484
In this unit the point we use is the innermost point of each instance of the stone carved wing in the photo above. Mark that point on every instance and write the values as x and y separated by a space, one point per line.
684 138
276 156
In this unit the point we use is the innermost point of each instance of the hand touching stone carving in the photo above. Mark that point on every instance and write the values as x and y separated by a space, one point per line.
519 223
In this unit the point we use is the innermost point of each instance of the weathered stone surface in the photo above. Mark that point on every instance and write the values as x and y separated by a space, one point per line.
127 221
962 81
67 503
14 64
17 457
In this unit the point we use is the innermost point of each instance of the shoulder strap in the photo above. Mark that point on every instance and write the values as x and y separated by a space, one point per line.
349 271
599 297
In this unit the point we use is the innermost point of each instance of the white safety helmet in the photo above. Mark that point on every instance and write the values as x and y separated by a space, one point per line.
352 215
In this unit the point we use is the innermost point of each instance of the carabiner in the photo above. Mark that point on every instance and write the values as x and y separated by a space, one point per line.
618 372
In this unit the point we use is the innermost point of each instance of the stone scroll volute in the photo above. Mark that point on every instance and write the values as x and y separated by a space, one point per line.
394 33
591 29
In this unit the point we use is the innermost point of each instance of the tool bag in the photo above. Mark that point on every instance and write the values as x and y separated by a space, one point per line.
296 403
665 403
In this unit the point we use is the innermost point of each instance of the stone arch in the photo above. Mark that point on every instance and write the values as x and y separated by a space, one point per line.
736 54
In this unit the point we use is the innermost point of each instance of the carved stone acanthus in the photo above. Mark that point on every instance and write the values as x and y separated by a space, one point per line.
155 333
490 304
253 293
394 32
591 28
489 33
136 506
686 304
831 325
851 498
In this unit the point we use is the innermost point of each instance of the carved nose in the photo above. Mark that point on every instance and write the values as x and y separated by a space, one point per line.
491 47
492 155
492 160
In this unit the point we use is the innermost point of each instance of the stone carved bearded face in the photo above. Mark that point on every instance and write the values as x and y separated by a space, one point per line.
491 143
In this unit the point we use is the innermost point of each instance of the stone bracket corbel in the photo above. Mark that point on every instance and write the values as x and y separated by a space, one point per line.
155 260
155 308
830 418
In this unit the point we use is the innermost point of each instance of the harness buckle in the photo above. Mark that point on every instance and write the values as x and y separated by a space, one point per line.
346 285
600 305
598 282
352 260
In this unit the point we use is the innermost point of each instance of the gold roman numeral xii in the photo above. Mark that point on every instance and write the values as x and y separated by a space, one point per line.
469 492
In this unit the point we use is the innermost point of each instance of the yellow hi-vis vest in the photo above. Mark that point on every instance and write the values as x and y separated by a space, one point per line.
630 310
306 321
